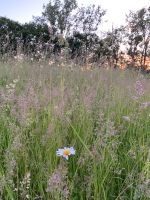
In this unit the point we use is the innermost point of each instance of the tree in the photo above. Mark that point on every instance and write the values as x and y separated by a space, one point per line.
88 19
108 48
10 31
34 37
82 44
138 34
63 22
22 38
58 13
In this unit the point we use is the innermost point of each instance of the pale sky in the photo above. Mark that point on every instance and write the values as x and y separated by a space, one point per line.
23 10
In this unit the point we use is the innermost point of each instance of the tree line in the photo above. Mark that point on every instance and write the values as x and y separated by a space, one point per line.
67 29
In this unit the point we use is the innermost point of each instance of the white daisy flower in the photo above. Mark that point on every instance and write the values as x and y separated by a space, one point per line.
66 152
126 118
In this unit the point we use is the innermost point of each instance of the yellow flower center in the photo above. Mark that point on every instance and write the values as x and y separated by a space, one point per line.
66 152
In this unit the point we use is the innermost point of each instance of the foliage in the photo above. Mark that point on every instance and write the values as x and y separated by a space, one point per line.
10 31
69 31
139 33
58 14
109 47
87 19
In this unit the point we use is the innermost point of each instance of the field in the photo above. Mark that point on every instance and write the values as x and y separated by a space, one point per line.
104 114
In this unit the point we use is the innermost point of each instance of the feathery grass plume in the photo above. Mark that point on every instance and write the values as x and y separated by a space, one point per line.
2 184
25 186
10 164
88 97
25 104
58 183
139 89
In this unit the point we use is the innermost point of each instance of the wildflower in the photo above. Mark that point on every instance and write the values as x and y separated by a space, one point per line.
144 105
126 118
66 152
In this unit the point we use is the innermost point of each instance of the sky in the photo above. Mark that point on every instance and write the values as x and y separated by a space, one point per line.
23 10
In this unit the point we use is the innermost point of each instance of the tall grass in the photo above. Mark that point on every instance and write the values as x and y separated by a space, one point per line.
103 114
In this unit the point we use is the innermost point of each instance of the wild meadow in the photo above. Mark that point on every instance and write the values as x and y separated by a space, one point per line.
104 114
